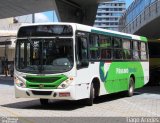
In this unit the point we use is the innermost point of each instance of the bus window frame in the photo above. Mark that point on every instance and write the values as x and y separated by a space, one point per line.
82 64
118 48
137 50
112 48
147 51
89 46
130 49
106 48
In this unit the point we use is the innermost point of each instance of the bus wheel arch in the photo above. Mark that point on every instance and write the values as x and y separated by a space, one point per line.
131 85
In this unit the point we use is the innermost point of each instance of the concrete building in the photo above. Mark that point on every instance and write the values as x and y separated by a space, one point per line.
8 32
142 18
79 11
108 14
7 47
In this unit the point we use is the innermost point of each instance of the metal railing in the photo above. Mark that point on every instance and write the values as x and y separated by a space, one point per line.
150 13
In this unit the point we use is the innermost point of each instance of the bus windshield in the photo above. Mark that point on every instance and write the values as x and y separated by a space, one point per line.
44 55
46 30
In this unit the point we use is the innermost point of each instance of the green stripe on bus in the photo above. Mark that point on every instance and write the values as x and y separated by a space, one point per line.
44 82
117 77
110 34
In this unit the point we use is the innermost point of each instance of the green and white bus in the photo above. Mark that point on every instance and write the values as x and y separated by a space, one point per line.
72 61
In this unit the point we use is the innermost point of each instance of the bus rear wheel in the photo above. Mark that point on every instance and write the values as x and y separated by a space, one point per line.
44 101
89 101
131 87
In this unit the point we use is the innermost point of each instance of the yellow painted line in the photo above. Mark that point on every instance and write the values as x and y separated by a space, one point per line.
17 116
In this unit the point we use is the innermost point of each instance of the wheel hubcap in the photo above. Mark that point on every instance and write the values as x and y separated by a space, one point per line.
131 89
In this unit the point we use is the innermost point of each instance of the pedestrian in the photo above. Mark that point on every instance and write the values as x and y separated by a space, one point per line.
6 67
11 68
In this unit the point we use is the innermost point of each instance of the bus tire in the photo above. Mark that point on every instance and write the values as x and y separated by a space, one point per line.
44 101
89 101
131 87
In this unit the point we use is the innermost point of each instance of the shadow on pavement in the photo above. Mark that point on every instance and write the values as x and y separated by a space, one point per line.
111 97
53 105
64 105
149 89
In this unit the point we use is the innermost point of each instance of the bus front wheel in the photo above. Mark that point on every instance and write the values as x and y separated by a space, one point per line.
131 87
44 101
89 101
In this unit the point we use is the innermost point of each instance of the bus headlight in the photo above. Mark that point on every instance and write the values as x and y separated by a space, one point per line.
65 84
19 83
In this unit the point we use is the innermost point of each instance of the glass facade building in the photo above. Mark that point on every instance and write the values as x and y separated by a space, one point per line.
133 11
108 14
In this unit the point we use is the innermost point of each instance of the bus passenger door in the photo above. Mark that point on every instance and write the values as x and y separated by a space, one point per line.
82 78
81 52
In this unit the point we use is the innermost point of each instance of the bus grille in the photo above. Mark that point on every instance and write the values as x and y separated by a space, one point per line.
40 86
42 80
42 92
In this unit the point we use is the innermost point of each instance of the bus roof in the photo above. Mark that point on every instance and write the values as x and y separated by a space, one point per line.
86 28
110 32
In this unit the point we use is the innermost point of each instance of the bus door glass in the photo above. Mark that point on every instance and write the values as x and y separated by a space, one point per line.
82 50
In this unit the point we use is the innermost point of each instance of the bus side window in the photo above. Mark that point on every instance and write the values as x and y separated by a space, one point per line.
82 54
94 52
105 54
118 54
136 48
126 44
117 44
143 51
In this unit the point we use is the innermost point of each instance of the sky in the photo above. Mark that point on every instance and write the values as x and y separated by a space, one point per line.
49 16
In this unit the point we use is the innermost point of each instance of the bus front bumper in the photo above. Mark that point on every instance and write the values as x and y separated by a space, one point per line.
67 94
